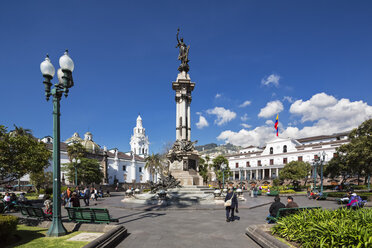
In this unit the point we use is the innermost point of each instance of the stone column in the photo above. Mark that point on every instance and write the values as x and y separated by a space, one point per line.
256 174
178 124
188 120
277 172
270 175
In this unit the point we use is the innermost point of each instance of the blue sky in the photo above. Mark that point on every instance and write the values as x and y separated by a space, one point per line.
308 61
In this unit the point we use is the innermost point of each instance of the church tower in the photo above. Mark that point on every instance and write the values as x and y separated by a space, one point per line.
139 142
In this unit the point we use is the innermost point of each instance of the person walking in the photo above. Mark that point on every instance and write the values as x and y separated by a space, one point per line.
86 196
75 201
231 204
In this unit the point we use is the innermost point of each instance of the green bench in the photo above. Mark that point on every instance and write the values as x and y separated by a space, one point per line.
90 215
34 212
288 211
273 193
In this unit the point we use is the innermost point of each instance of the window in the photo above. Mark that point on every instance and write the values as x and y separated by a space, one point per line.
259 163
284 149
299 158
140 169
124 168
271 161
236 165
316 157
271 150
247 164
284 160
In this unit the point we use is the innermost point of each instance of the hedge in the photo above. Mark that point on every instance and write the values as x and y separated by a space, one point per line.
8 226
288 191
327 228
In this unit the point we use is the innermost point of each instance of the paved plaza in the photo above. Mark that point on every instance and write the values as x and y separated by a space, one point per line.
193 226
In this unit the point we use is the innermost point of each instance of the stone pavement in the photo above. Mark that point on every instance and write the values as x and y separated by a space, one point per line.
191 226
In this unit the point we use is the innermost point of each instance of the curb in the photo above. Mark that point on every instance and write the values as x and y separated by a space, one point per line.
109 239
263 239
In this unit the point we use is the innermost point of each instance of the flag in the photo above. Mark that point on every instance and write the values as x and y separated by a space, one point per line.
276 125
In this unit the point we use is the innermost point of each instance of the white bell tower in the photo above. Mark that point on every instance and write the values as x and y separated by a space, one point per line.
139 142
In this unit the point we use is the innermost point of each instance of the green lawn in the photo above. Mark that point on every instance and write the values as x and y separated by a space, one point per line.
30 237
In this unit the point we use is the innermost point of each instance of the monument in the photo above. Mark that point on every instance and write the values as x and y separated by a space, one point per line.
183 158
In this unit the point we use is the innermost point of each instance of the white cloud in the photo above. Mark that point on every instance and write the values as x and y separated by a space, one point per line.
218 95
288 98
272 79
223 115
325 114
245 125
271 109
244 117
245 104
202 122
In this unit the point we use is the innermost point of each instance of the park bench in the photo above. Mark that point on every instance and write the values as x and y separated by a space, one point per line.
90 215
33 212
288 211
273 193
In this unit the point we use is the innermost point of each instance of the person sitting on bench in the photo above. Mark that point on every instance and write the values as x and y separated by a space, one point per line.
291 203
274 208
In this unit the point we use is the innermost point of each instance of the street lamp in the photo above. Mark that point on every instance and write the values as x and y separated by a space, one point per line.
321 169
65 82
76 163
223 167
241 177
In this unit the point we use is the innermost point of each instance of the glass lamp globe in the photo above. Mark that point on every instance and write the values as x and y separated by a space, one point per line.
66 63
78 161
74 160
47 68
60 75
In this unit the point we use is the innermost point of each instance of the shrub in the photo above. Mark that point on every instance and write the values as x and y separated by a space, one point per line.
146 190
288 191
327 228
8 225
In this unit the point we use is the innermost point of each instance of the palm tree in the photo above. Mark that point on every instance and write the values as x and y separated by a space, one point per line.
75 150
20 131
153 164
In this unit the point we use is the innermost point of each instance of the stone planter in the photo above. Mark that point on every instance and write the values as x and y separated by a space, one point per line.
137 191
129 192
162 194
217 193
239 192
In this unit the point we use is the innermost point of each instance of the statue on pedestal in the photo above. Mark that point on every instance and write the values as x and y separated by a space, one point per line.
183 55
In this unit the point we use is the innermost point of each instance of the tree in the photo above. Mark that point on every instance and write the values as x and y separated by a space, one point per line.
20 131
20 155
216 164
88 171
153 164
41 179
295 171
76 151
203 170
354 158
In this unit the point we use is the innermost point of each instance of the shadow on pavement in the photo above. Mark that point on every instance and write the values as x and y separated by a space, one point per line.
145 215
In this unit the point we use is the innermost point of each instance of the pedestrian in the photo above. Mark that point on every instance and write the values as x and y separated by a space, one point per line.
86 196
291 203
231 204
255 191
75 201
274 208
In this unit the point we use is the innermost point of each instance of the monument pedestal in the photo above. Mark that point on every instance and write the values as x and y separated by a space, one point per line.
184 167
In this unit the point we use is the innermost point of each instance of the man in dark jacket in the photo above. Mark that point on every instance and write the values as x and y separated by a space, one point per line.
291 203
234 205
274 208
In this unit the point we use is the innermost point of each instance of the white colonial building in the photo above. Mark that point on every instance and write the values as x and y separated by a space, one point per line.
117 166
256 163
139 142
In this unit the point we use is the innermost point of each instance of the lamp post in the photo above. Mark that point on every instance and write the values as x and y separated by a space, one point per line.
76 163
223 167
241 177
322 159
65 82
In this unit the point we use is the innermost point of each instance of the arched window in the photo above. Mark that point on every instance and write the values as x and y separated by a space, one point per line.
284 148
271 150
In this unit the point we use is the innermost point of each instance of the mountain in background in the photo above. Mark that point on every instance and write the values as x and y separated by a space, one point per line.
214 149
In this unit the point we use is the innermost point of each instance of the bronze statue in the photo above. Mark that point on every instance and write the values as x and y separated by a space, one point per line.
183 55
